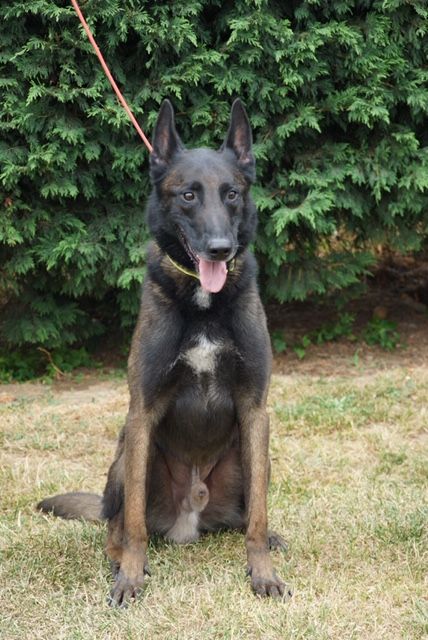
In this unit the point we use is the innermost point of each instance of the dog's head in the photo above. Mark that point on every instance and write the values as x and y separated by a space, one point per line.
200 211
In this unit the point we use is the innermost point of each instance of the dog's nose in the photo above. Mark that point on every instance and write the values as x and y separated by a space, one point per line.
219 248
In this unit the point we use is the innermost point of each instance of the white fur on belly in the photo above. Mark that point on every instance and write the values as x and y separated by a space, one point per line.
185 528
202 357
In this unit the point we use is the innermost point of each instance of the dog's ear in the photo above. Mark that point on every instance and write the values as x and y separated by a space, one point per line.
240 140
166 141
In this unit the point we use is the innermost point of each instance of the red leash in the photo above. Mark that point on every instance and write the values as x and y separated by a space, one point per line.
110 77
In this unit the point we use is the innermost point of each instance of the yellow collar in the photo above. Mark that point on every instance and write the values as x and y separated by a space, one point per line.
188 272
193 274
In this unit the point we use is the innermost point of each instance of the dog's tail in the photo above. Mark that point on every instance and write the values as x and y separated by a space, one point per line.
74 505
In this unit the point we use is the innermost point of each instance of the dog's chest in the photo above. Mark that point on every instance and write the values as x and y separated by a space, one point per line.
202 356
201 414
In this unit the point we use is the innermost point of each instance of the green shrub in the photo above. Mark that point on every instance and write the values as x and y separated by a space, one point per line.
278 341
27 363
383 333
337 96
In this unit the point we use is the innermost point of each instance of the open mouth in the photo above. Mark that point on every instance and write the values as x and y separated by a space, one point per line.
212 274
192 255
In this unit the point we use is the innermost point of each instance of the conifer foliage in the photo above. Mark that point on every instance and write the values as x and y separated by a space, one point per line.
337 94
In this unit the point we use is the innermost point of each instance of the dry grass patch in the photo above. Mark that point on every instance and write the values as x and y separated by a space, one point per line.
349 493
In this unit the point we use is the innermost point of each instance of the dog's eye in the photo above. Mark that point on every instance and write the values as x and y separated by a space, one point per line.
188 196
232 195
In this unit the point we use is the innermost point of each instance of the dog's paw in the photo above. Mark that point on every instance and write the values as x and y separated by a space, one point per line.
276 541
265 583
114 568
127 588
269 586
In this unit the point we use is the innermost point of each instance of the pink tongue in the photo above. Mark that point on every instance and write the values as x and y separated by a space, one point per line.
212 274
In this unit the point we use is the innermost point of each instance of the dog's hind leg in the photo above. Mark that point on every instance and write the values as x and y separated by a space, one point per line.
133 558
114 543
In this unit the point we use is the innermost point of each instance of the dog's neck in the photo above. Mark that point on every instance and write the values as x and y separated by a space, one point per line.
176 283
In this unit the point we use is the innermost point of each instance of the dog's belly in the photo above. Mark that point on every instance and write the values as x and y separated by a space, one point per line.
200 422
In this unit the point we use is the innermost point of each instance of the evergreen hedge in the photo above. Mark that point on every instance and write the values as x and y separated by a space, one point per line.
337 94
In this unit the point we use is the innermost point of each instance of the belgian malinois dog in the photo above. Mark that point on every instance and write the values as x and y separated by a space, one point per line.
193 455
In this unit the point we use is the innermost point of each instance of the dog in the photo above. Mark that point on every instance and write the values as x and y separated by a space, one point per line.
193 454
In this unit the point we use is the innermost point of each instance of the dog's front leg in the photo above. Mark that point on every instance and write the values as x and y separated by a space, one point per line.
133 563
254 428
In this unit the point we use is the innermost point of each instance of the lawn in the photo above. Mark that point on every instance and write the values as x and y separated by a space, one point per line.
348 492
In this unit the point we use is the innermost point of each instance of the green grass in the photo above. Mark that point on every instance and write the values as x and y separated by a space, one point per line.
348 492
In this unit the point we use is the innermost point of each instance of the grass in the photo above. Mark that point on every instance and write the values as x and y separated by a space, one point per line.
348 492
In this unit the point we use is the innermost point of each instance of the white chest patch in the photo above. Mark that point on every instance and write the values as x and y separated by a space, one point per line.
202 357
202 298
